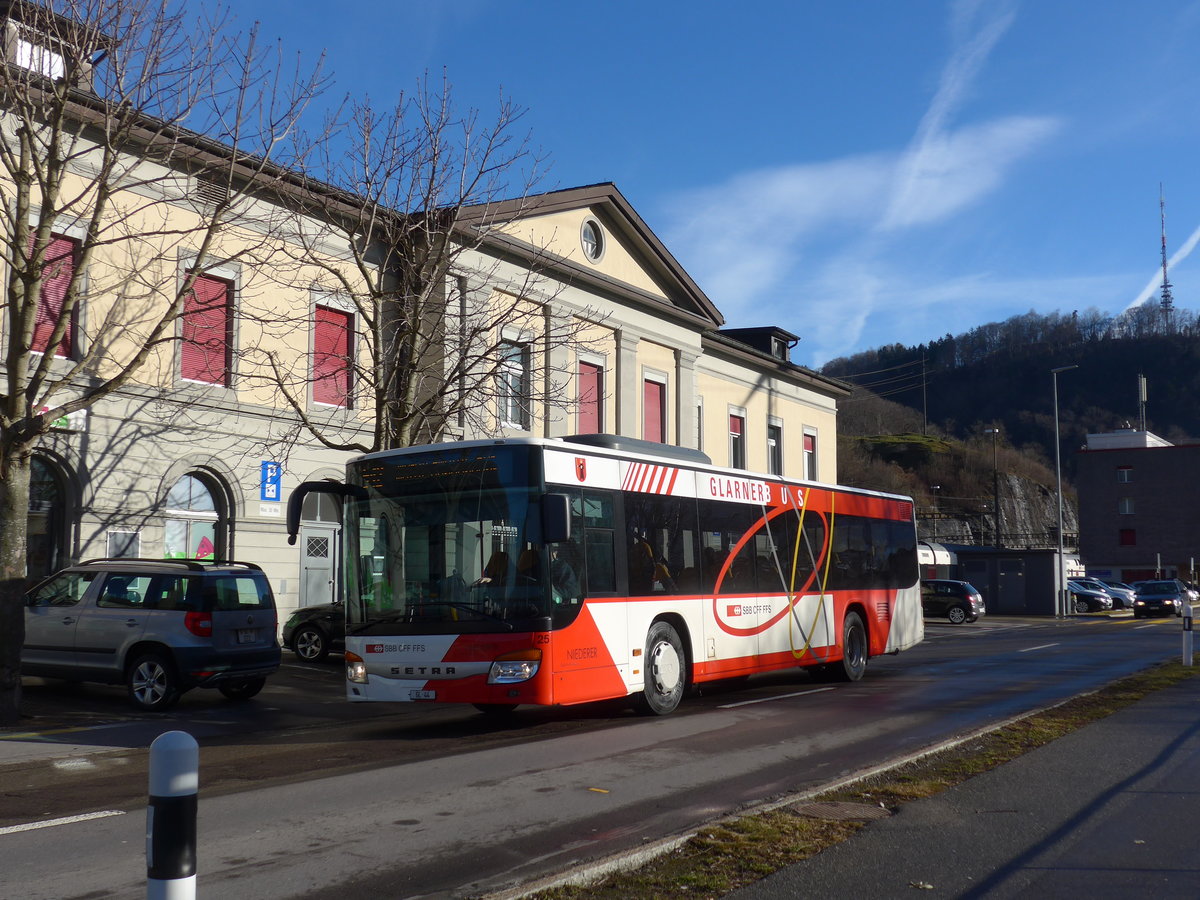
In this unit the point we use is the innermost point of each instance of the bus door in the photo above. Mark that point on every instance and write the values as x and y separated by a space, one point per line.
590 643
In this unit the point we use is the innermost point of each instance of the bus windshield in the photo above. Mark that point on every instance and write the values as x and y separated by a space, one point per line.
447 542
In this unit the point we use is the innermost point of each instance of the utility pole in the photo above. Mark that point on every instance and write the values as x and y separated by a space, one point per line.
995 485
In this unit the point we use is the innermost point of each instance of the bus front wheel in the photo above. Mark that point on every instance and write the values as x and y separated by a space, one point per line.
665 671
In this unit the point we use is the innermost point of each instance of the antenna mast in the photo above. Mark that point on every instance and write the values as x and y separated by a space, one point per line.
1166 304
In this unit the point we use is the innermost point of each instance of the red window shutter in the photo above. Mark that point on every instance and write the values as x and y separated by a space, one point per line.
206 332
331 356
591 393
652 406
57 271
736 425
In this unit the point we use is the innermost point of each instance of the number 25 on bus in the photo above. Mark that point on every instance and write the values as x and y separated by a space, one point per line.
562 571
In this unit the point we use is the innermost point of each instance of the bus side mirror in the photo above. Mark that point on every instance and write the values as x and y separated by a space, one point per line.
296 500
556 518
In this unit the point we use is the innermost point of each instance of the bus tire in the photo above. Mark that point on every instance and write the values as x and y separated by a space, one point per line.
665 671
855 649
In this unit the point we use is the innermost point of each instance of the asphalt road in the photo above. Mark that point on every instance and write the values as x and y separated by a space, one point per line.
306 795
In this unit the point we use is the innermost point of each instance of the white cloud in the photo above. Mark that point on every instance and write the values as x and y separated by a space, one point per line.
824 249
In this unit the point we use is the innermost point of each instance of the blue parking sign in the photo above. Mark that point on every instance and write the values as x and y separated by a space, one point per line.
272 477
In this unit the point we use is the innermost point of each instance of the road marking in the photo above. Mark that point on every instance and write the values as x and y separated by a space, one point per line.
68 820
1040 647
769 699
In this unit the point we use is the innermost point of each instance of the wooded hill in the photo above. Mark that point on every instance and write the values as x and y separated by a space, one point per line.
919 414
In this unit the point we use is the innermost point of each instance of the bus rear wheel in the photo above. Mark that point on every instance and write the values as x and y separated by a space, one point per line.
665 671
854 649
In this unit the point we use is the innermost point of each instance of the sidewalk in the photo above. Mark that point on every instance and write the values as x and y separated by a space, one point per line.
1109 811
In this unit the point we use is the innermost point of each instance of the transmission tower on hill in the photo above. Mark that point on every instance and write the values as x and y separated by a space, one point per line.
1166 303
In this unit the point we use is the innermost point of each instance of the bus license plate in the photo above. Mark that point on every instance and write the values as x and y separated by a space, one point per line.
422 695
246 635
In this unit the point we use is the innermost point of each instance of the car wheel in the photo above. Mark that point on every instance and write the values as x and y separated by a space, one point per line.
957 615
310 644
854 649
1081 606
241 690
152 682
665 671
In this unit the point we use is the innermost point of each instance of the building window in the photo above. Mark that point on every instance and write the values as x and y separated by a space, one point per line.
591 238
207 331
1127 537
514 385
58 269
1125 506
591 398
331 356
810 455
1124 474
775 449
654 411
737 442
192 529
700 423
48 527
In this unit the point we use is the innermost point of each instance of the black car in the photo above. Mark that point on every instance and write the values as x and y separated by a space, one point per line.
1160 598
312 631
958 601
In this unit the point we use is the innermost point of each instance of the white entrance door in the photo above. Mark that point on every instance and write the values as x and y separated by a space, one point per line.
318 563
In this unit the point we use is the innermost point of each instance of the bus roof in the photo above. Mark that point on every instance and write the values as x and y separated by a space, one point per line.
621 448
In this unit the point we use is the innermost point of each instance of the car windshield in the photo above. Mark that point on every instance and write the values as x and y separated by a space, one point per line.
1158 587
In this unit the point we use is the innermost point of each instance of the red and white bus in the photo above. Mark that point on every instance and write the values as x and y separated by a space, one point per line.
562 571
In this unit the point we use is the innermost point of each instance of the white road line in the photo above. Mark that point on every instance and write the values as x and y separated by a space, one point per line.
1040 647
769 699
50 823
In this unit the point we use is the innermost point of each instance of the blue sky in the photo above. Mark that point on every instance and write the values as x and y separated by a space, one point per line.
860 173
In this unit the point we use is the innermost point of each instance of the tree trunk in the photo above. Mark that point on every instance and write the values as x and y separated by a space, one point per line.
14 519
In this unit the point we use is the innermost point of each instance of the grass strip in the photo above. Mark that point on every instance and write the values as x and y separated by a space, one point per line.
727 855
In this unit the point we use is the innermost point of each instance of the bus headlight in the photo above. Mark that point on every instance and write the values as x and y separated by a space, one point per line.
513 667
356 669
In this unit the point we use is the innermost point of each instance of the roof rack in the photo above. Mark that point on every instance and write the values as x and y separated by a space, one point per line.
191 565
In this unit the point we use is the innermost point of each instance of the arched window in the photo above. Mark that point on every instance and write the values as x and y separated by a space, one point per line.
195 526
47 547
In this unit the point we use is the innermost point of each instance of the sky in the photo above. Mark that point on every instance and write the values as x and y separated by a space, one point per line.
860 173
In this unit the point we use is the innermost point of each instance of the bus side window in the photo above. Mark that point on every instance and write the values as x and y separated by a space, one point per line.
593 523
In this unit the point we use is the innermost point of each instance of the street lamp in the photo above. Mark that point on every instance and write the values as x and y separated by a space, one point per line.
995 483
1060 602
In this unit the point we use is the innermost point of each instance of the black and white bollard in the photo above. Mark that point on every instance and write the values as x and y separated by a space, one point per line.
171 817
1187 634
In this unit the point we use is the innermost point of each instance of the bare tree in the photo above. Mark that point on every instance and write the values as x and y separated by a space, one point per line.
133 141
452 313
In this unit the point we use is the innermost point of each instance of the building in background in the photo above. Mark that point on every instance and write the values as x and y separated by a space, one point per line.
1139 506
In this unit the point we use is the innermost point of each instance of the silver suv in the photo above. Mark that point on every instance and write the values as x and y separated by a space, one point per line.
160 627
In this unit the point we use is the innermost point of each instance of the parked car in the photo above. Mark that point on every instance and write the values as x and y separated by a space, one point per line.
1120 591
160 627
1160 598
1086 599
958 601
312 631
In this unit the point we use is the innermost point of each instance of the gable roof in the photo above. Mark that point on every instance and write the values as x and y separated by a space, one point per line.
681 296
